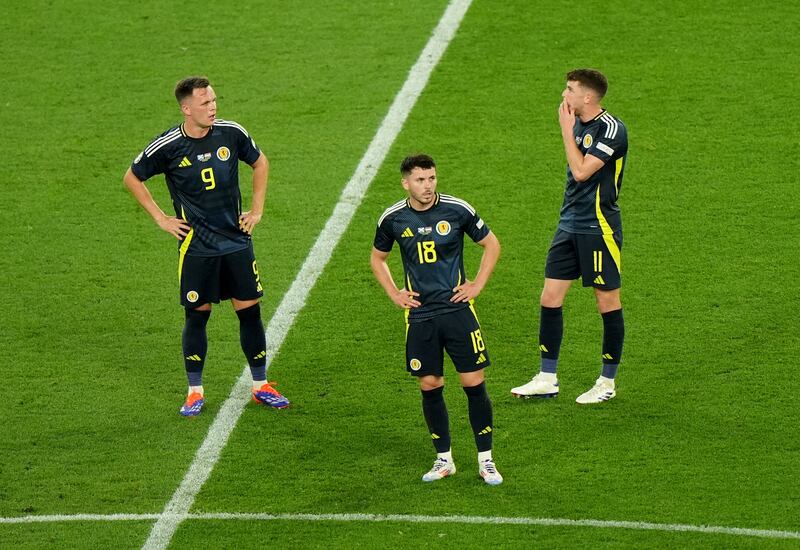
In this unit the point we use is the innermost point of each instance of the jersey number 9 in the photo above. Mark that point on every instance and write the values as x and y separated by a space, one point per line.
207 175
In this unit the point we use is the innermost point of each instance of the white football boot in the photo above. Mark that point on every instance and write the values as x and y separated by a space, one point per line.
603 390
441 469
488 471
544 384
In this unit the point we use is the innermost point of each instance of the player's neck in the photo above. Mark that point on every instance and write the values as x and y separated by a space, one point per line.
590 113
194 131
420 207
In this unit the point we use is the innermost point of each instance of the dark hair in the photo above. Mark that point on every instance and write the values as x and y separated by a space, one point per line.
184 88
590 78
416 161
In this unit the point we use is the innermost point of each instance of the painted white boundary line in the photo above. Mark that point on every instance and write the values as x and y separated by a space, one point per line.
401 518
293 301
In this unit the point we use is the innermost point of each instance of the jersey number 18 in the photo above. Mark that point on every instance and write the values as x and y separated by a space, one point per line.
427 252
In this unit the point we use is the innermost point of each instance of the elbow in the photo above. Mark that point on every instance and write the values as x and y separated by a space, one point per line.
580 176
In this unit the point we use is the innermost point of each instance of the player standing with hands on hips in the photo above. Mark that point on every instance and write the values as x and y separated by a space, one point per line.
438 301
588 240
200 161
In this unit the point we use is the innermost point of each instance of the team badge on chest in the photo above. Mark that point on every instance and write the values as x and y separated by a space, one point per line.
443 228
223 153
587 141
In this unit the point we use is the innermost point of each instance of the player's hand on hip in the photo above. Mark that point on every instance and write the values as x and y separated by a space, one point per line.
248 221
176 227
465 292
406 299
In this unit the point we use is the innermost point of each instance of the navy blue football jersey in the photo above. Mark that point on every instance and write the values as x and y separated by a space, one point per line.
203 180
431 245
591 206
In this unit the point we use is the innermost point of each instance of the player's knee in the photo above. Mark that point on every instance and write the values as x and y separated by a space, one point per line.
471 379
250 313
427 383
608 300
551 299
197 317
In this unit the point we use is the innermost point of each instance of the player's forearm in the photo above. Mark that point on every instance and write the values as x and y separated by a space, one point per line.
142 195
384 276
260 177
575 158
491 253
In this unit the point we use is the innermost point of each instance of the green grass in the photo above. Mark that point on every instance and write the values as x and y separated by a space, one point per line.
703 430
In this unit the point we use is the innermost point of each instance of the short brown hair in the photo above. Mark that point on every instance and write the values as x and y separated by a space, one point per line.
590 78
416 161
186 87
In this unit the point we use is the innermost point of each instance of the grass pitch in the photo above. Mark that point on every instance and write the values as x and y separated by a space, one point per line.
702 431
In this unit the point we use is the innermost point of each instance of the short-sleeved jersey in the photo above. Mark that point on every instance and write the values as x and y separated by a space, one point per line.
203 180
431 246
591 206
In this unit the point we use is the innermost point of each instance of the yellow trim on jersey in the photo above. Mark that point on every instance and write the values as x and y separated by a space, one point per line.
472 309
184 247
617 170
608 234
407 312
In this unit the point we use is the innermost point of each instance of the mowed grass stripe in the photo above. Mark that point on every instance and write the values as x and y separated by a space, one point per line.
403 518
294 300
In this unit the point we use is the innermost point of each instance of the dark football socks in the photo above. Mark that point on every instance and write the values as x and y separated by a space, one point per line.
613 337
435 411
195 345
551 331
254 341
480 415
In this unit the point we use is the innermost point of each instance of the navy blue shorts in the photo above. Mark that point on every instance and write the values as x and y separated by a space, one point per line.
457 332
594 258
211 279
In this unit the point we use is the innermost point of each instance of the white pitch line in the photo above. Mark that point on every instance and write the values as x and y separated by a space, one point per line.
293 301
404 518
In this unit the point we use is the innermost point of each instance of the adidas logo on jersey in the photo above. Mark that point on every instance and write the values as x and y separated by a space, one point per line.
185 163
407 233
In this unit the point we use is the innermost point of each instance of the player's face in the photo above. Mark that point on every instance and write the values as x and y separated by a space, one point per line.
421 187
575 95
201 107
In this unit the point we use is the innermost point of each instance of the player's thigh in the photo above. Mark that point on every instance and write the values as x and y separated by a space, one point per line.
199 280
601 256
554 292
239 277
424 355
464 340
562 257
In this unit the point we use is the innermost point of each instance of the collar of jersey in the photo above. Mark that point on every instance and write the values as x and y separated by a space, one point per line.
187 136
601 113
435 202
